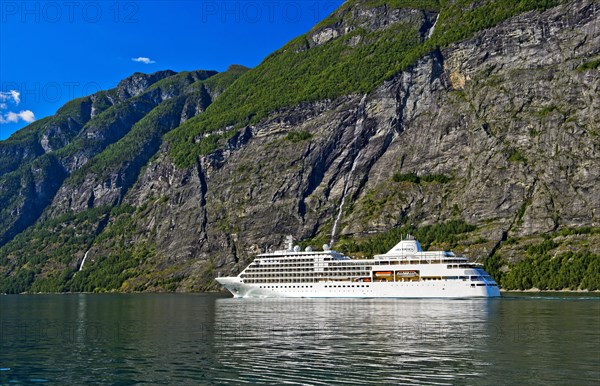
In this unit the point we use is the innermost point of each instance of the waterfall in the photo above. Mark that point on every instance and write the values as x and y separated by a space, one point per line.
83 261
358 129
433 26
346 188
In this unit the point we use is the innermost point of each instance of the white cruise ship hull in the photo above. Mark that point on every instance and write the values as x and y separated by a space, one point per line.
421 289
405 271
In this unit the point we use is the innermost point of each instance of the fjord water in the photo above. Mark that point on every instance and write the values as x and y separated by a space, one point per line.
213 339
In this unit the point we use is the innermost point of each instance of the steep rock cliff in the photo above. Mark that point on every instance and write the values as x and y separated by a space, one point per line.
498 130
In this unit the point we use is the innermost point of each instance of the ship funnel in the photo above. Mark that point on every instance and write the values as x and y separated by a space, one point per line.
406 247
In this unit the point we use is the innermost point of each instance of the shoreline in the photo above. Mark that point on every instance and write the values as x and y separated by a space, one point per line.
503 291
537 290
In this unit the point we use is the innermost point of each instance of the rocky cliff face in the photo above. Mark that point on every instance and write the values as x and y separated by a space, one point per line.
501 129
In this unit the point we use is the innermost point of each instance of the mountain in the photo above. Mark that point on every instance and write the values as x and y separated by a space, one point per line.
472 124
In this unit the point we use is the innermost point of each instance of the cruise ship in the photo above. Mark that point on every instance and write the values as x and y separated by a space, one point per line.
405 271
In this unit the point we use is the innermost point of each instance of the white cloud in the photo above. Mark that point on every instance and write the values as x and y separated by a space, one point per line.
8 95
143 59
14 98
12 117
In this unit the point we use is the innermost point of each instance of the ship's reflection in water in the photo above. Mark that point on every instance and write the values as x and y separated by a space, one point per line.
352 341
407 341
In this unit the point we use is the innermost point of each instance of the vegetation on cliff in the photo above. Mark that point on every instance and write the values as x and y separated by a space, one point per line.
550 265
301 71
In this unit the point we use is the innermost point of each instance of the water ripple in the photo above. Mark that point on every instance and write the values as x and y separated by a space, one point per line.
211 340
344 341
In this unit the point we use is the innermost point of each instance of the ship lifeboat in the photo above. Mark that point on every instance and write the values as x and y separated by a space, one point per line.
407 273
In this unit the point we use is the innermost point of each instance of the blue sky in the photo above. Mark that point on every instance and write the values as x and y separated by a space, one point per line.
52 52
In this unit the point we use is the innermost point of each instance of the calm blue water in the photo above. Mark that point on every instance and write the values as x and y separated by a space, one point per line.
212 339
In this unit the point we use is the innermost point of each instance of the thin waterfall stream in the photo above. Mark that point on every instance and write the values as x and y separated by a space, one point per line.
83 261
358 130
